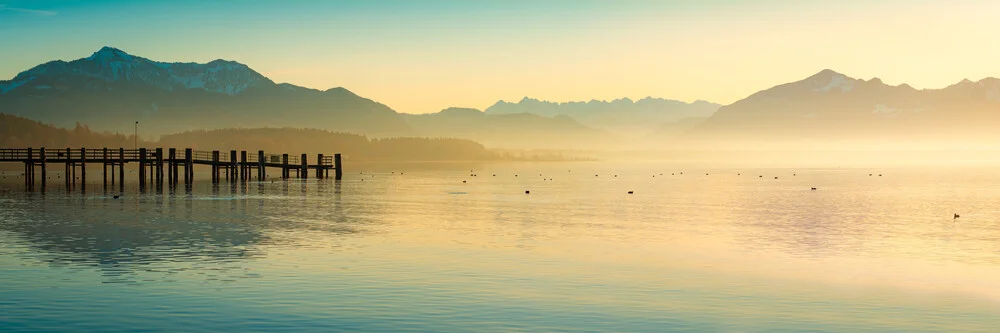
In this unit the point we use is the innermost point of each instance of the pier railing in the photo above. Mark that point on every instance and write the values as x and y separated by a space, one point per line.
131 155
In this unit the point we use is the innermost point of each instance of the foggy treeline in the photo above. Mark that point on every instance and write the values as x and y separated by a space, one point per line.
17 132
312 141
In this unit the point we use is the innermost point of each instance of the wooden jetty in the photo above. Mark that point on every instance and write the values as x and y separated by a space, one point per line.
153 163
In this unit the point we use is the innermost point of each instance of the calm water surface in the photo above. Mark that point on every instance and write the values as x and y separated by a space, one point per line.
416 249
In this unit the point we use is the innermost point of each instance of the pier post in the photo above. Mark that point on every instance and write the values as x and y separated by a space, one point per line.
142 167
319 166
188 166
215 167
121 169
104 155
232 166
83 167
111 163
285 172
172 166
70 168
41 152
171 155
159 167
29 171
260 166
305 167
244 173
339 172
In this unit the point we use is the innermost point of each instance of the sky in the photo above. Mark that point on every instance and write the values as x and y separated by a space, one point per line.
424 56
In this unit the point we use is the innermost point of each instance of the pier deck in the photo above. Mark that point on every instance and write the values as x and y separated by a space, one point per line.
237 166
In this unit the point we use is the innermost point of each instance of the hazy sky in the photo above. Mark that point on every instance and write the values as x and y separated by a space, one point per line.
423 56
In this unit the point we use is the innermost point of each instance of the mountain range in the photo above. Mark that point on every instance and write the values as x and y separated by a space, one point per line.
831 107
111 89
621 116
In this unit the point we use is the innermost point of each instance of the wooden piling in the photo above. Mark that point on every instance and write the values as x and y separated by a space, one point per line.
104 155
232 166
121 170
285 172
319 168
261 175
142 167
188 166
159 167
339 172
215 167
305 167
70 168
83 167
41 152
244 172
172 166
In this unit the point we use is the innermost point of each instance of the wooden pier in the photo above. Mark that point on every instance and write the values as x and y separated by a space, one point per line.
153 163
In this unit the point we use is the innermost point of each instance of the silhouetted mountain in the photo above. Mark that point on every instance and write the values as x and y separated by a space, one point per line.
521 130
620 116
830 106
111 89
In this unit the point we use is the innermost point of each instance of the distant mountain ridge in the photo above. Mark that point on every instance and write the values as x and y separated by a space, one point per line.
111 89
832 106
623 116
518 130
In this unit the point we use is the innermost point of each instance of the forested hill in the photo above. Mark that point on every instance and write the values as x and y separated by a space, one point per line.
18 132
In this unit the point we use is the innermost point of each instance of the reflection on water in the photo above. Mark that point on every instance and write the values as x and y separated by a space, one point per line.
166 232
427 248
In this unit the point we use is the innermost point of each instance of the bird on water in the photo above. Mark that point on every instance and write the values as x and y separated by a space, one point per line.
956 216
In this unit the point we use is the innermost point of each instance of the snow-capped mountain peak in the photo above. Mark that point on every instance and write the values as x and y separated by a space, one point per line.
829 80
108 53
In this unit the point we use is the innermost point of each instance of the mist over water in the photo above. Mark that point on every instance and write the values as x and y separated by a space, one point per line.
397 247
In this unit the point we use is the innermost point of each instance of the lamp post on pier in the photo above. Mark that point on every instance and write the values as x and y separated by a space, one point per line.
136 136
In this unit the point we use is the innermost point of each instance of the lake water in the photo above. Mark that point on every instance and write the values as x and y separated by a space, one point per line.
413 248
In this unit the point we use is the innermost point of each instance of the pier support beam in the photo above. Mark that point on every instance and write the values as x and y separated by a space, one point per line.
285 172
215 167
319 164
244 171
83 168
41 153
305 167
232 166
104 156
142 167
261 175
121 170
188 164
171 166
339 172
29 169
159 167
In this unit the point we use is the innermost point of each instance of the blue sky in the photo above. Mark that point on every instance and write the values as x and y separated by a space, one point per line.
422 56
